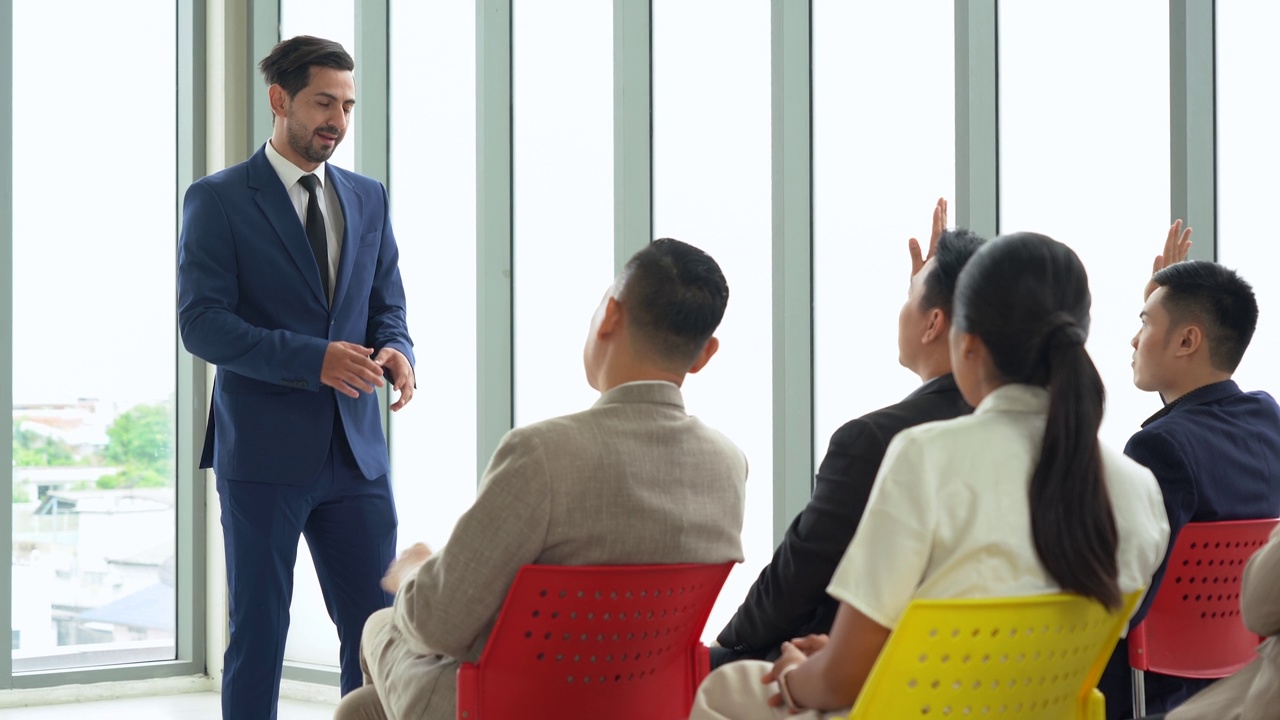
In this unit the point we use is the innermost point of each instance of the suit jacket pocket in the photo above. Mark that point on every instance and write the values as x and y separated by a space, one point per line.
372 238
231 382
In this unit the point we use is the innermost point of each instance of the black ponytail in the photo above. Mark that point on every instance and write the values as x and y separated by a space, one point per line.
1026 296
1072 522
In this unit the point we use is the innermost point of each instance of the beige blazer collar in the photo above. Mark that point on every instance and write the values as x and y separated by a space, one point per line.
657 391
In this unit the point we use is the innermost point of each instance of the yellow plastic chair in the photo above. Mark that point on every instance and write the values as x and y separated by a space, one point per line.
1027 657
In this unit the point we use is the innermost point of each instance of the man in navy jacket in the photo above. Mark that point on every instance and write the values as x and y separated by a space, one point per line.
1214 449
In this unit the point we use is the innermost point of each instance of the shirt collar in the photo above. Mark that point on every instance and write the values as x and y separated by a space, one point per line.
1015 398
288 172
942 383
1199 396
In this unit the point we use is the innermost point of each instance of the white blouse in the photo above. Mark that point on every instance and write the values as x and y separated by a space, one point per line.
948 516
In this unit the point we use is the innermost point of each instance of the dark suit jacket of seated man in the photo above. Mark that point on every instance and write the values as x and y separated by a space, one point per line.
789 598
632 480
1214 449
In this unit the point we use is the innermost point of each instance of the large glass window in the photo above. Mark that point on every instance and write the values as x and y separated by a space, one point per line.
433 206
711 188
94 341
1248 154
883 153
1084 158
312 639
562 127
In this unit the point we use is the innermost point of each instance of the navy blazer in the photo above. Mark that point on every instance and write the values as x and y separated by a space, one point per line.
1216 454
250 301
789 598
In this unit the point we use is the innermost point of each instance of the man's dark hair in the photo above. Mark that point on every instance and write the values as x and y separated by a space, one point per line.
675 296
290 62
1217 298
954 249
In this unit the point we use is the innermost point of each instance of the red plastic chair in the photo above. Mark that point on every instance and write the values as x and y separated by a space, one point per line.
1194 628
617 641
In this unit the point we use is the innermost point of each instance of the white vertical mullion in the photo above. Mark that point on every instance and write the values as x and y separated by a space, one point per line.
6 327
494 268
192 408
977 201
1192 131
632 127
792 189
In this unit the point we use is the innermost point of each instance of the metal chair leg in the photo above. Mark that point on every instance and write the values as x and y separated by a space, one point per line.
1139 694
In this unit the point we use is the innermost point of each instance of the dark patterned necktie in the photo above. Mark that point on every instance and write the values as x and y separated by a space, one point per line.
315 230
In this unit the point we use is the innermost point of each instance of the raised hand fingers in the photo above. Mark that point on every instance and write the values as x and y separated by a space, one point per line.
917 260
939 225
1176 244
1183 246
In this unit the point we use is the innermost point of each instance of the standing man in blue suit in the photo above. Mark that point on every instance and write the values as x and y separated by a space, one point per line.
288 282
1214 449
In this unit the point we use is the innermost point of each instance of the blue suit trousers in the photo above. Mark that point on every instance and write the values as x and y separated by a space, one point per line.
349 522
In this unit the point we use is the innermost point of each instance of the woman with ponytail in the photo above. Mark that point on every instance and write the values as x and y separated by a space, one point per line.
1019 498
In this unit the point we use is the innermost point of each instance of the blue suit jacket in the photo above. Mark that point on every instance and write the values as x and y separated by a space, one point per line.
1216 454
250 301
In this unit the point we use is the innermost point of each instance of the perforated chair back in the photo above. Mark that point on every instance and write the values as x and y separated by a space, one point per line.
1027 657
1194 628
616 641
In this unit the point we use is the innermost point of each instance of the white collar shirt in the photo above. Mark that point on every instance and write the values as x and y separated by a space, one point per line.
330 208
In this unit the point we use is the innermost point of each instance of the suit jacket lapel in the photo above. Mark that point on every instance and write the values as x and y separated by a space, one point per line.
352 204
275 204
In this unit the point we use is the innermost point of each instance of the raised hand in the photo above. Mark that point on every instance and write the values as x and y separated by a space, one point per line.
1176 246
939 224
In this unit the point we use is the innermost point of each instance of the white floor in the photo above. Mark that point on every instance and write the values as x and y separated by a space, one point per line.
191 706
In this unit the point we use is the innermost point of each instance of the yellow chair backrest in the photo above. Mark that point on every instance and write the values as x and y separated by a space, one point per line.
1026 657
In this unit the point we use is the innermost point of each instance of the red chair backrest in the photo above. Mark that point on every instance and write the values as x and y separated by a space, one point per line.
1194 628
618 641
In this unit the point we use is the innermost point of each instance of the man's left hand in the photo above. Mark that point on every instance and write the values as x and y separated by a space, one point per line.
402 377
404 566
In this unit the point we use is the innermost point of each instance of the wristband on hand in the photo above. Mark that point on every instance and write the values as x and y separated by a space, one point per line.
790 699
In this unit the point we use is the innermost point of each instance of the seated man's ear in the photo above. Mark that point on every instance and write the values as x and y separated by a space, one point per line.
611 320
938 327
713 344
1190 338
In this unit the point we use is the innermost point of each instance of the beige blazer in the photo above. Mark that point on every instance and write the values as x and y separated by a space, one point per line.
1253 693
634 479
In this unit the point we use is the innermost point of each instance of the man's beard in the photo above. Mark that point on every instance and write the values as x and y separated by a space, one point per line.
301 140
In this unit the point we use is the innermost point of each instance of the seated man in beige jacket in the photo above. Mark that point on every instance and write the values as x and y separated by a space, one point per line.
632 480
1253 693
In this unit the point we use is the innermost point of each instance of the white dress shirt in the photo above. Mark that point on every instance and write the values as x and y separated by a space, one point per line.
333 221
